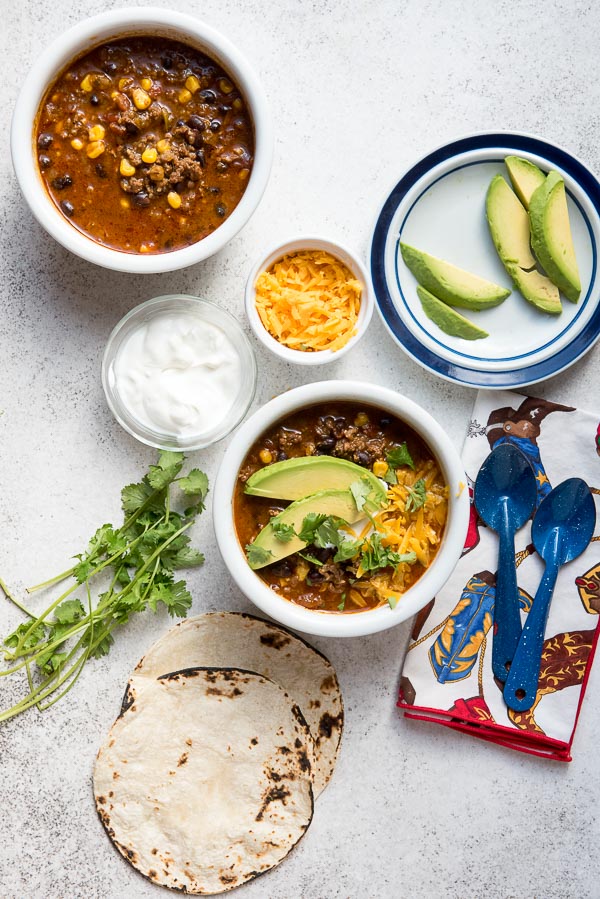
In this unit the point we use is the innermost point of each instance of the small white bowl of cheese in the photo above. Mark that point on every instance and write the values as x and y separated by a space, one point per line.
309 300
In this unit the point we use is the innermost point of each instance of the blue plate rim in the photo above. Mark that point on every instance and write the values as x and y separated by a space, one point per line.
468 375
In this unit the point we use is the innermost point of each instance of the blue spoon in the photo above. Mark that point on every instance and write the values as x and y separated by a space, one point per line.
562 529
505 495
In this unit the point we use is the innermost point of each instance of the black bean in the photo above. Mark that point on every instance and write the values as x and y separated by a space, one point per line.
215 125
167 62
363 458
100 170
223 108
221 166
67 207
220 209
197 123
142 199
281 456
214 190
44 141
95 100
208 96
385 422
44 161
200 156
110 68
327 444
197 139
180 123
62 182
131 128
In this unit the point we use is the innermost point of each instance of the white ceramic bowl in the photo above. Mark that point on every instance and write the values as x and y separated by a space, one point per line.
349 258
81 38
328 624
206 312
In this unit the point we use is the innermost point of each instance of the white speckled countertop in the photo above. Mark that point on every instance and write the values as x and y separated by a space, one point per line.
359 90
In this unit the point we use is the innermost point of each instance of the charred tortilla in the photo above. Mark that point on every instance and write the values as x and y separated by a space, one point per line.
204 781
229 638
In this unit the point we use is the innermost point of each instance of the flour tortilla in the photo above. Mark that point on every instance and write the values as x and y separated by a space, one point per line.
224 639
204 781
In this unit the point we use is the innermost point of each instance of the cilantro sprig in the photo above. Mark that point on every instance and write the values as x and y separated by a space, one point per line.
140 559
417 494
396 458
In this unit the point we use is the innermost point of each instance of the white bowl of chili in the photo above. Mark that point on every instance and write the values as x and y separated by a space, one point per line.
384 418
309 300
130 196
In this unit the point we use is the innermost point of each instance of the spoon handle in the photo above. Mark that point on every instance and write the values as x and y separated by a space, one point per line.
521 685
507 618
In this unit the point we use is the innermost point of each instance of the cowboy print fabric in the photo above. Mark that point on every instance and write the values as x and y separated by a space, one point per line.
447 676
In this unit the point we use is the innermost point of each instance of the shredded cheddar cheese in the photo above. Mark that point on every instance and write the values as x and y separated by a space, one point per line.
309 301
419 531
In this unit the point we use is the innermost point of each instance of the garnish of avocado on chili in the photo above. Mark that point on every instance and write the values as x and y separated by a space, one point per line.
145 144
340 507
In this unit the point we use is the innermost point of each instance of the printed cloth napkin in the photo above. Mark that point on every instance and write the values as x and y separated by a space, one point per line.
447 675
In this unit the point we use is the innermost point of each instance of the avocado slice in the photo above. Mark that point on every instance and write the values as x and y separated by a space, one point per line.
537 289
451 284
551 236
525 176
446 318
338 503
509 225
511 233
298 478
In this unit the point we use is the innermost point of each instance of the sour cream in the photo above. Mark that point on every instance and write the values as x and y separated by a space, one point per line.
178 374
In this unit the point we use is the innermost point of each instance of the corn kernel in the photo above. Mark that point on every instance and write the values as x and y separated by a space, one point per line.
126 168
225 86
380 468
125 203
95 148
265 456
162 145
141 99
192 84
149 155
77 144
96 133
146 83
184 96
173 199
244 174
87 84
237 104
124 83
361 420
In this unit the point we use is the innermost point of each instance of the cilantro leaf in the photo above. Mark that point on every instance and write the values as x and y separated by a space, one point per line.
311 523
390 476
284 532
69 611
375 555
195 483
417 495
133 496
342 605
360 490
161 475
308 557
400 455
347 548
392 601
187 557
257 556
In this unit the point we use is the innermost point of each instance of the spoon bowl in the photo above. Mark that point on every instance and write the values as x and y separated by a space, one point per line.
505 496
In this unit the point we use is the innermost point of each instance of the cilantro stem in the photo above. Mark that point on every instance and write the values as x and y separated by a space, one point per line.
14 599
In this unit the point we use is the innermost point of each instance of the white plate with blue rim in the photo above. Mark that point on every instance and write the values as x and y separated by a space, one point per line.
438 206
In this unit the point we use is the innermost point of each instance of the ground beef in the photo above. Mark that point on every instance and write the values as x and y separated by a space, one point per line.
287 438
329 573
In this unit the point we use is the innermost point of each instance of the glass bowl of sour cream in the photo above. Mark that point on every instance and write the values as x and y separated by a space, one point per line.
178 372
